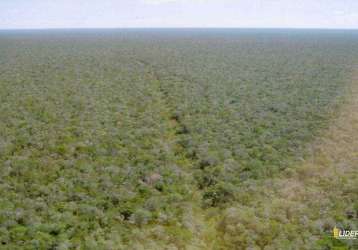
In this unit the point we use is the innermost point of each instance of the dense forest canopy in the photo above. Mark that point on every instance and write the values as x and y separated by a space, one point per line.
111 139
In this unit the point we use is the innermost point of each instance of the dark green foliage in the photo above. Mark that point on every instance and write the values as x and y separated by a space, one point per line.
219 194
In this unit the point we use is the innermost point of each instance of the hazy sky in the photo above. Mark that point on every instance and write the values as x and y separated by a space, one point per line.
178 13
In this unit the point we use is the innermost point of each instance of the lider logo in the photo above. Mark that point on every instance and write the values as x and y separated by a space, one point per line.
336 232
345 234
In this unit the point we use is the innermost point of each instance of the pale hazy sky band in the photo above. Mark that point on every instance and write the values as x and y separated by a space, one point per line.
26 14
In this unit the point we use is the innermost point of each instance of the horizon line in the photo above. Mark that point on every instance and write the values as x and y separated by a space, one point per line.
183 27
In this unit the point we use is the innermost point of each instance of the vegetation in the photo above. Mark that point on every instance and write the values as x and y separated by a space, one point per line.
177 139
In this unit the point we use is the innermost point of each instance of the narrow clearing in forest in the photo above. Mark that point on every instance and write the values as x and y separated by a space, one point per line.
194 213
